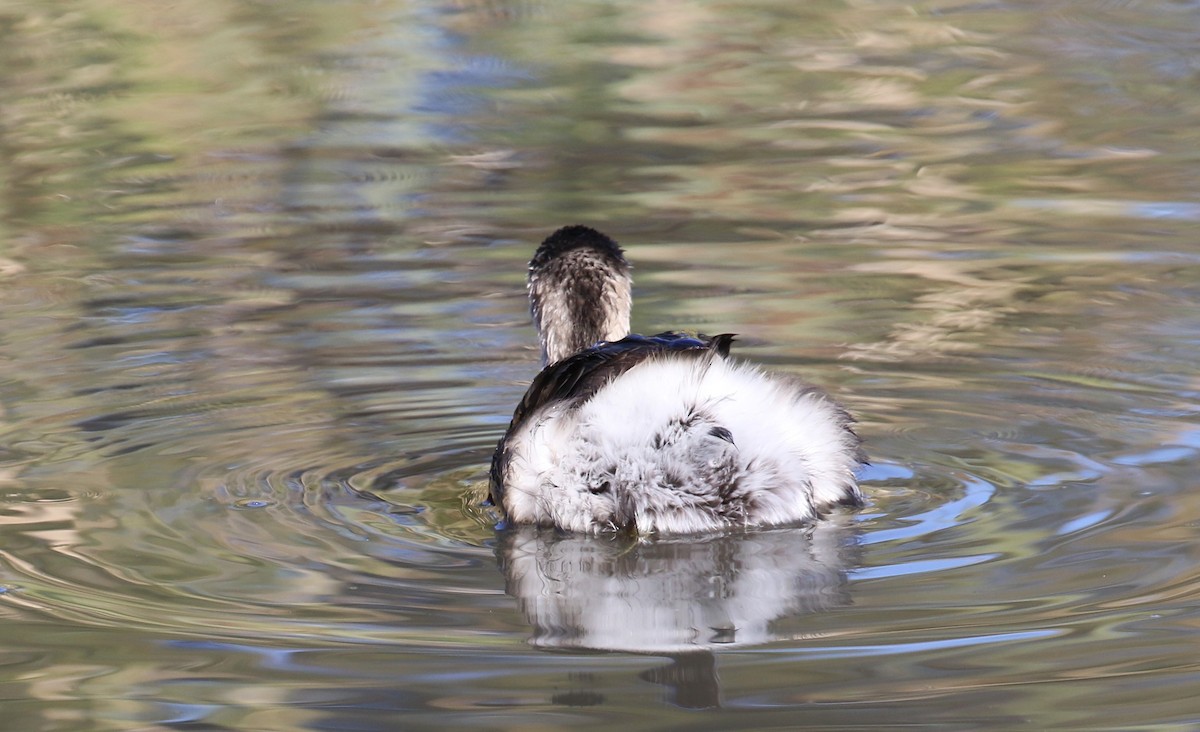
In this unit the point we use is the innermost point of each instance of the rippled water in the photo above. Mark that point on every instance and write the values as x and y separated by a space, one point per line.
262 321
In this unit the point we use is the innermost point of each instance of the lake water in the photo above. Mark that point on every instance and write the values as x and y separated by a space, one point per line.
263 320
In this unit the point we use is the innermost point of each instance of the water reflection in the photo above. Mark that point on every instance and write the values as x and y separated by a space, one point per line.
681 597
262 323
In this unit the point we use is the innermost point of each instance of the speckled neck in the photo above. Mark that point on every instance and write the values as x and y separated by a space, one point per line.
580 291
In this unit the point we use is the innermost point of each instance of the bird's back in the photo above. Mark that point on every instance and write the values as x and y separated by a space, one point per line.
666 433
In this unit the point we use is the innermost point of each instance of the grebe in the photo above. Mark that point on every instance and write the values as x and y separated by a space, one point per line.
657 434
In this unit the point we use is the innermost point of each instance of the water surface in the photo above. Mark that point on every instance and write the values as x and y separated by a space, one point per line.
262 322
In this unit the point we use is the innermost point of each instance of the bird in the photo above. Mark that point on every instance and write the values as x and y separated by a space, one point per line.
664 434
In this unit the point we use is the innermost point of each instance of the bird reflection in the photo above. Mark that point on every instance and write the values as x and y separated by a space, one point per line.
680 597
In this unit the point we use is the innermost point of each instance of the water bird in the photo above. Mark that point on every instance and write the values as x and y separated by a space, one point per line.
661 434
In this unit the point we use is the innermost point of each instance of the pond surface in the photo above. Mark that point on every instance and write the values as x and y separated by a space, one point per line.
263 320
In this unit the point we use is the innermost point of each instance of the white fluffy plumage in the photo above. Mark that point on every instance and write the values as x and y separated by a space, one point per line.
683 445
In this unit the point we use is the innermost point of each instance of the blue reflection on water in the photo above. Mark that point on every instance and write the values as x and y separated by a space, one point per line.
891 649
